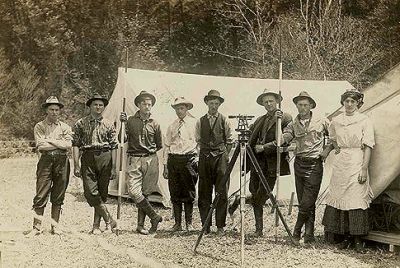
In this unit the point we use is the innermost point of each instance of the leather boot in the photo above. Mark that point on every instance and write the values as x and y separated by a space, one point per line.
37 224
55 215
189 216
96 223
309 228
258 216
358 244
111 224
301 219
140 222
155 219
178 217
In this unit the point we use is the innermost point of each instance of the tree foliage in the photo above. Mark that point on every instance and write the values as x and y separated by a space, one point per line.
72 48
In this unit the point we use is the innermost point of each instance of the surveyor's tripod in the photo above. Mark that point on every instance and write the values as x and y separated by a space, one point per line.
243 149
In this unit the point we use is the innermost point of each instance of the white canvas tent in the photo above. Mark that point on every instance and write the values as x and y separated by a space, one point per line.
240 98
382 105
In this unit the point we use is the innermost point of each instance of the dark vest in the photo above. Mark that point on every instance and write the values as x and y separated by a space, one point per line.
212 138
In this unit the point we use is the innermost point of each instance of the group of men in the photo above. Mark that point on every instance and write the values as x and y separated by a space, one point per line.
194 151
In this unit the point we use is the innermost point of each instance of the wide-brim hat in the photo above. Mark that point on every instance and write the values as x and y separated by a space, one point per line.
144 94
213 94
52 100
304 95
97 96
180 101
268 92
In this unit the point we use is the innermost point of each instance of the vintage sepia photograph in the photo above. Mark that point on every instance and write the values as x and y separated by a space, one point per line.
200 133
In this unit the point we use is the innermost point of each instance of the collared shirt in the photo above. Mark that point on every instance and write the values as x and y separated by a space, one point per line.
90 132
212 118
144 135
309 137
180 137
55 131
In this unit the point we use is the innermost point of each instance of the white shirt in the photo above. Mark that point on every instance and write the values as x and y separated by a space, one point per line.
180 137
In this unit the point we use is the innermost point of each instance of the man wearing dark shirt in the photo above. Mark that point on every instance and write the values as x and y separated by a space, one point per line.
96 138
144 140
263 141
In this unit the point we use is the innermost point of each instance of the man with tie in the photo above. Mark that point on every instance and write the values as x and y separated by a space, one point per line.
214 137
53 139
263 141
96 138
180 164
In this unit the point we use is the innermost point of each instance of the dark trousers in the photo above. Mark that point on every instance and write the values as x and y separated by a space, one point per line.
259 194
52 179
96 173
308 177
211 173
182 179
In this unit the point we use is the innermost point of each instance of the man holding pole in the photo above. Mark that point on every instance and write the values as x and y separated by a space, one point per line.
180 165
214 136
308 130
263 142
144 138
53 139
96 138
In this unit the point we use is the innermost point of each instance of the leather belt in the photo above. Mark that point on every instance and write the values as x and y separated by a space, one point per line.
182 155
302 158
54 152
140 155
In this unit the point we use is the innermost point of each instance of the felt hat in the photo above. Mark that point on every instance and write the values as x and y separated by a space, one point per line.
144 94
213 94
268 92
182 100
304 95
97 96
52 100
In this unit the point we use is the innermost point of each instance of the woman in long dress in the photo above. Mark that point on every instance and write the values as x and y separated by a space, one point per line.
349 192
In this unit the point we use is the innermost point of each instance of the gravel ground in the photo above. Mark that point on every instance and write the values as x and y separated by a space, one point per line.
76 248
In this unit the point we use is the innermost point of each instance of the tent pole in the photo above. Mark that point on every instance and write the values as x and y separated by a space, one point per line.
122 166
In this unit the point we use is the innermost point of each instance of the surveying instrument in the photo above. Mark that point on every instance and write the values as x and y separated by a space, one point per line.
246 153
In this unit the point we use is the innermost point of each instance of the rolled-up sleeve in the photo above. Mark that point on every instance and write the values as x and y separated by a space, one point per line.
197 131
112 137
228 132
288 133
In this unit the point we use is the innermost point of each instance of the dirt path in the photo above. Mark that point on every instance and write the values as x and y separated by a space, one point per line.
78 249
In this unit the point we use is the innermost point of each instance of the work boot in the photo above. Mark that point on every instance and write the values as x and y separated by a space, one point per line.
301 219
55 215
220 231
140 222
258 216
189 216
96 223
309 229
155 219
111 224
178 217
37 223
358 244
345 244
